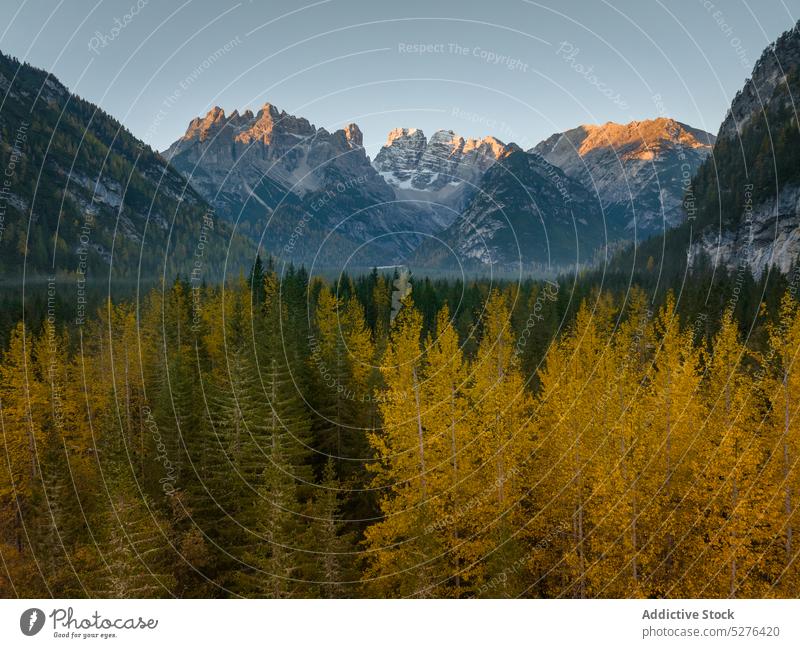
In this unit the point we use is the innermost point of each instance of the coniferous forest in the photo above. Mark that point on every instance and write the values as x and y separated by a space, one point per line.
289 436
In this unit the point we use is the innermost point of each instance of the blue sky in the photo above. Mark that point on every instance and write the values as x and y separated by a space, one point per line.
515 69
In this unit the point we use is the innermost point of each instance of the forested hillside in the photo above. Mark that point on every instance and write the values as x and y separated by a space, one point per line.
86 202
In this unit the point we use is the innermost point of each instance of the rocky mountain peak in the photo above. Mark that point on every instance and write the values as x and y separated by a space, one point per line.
201 128
642 139
636 169
412 134
269 122
271 110
354 136
398 158
216 113
492 145
410 161
767 87
254 163
447 137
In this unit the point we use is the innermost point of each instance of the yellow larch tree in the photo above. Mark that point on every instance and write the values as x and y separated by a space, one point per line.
401 556
450 447
674 418
624 487
783 444
501 422
727 486
23 403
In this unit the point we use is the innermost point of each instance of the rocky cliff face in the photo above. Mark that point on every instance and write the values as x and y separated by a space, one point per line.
398 159
767 86
275 174
639 170
443 171
226 155
409 161
768 237
749 199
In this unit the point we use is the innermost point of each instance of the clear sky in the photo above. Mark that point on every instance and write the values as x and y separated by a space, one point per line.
515 69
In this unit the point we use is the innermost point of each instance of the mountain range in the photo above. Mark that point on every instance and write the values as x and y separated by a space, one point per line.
420 197
309 195
86 195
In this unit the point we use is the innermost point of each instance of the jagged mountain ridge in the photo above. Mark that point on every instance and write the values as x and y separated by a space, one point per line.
271 173
236 150
409 160
274 174
639 170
